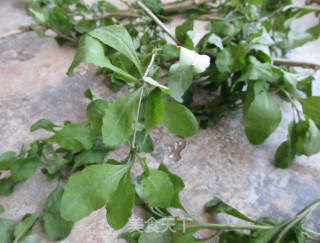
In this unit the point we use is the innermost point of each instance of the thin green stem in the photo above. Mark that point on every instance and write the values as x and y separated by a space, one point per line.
311 237
304 213
139 103
230 227
305 7
158 22
292 102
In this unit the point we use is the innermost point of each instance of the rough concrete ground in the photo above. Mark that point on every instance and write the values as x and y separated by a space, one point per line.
217 161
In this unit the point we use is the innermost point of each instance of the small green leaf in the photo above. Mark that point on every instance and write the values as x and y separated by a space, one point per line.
58 163
183 33
58 20
119 119
131 236
119 207
158 189
21 169
43 124
96 183
218 206
84 26
92 51
56 227
25 226
75 136
95 114
179 120
255 70
7 227
232 58
213 39
156 84
181 75
154 109
91 95
89 157
284 155
178 185
118 38
311 107
1 209
262 117
7 160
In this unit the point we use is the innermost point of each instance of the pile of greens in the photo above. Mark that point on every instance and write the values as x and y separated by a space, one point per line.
236 63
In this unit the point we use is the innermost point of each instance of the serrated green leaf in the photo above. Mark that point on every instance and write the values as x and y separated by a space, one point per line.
43 124
25 226
7 227
90 189
156 84
74 136
118 38
119 207
311 107
158 189
95 114
179 120
119 119
92 51
154 109
56 227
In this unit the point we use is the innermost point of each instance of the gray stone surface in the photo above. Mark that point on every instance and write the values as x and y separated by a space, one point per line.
217 161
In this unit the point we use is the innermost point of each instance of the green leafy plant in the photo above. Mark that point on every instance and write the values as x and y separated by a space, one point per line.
237 59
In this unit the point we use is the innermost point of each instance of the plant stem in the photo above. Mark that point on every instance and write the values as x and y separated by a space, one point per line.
184 5
158 22
305 7
298 218
231 227
290 63
207 17
15 32
140 100
292 102
311 237
124 14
